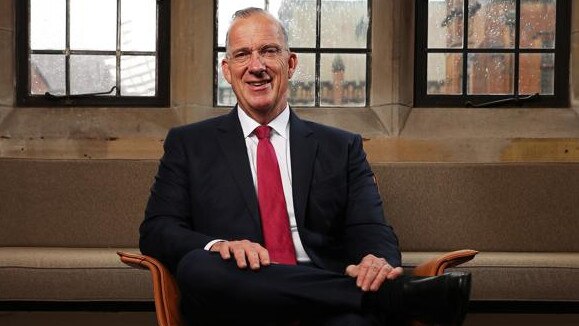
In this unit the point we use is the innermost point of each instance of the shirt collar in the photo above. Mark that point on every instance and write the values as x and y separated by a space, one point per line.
279 124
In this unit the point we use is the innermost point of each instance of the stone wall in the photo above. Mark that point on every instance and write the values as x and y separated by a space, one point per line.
395 132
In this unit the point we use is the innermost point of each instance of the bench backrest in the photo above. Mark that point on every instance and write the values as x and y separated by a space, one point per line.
432 206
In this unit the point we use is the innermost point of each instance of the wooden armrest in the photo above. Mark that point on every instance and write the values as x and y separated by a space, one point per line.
437 265
165 290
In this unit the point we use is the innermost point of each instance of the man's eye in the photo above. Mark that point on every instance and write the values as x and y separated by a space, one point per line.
241 56
270 51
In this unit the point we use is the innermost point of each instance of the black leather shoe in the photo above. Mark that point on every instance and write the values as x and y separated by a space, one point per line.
433 300
438 299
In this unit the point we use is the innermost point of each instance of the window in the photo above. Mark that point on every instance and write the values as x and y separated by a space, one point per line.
331 38
507 53
92 53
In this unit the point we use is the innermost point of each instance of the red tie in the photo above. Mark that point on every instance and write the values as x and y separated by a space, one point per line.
272 207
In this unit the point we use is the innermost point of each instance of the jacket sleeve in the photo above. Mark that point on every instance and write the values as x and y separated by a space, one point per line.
167 233
366 230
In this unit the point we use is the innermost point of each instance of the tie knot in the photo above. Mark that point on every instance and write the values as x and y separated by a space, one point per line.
262 132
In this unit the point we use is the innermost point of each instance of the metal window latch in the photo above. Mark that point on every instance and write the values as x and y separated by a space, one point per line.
510 100
54 97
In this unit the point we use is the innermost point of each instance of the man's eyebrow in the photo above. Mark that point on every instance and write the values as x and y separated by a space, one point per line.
243 49
267 45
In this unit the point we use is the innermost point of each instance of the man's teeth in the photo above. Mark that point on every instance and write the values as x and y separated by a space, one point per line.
258 83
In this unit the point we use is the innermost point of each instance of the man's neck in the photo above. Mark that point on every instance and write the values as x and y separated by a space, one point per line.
267 117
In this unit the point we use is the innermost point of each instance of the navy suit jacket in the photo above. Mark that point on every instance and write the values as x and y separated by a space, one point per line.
204 191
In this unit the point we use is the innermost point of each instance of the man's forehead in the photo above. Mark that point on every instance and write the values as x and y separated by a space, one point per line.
255 28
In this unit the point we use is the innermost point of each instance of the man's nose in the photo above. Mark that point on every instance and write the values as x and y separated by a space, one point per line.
256 63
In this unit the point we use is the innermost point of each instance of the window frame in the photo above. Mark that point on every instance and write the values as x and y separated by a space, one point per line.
317 50
25 99
560 97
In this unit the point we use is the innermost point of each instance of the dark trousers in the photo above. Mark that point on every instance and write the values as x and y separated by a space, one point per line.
217 292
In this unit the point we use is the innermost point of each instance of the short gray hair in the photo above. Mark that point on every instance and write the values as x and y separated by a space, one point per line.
252 11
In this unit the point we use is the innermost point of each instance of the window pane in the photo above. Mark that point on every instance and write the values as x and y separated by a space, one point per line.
538 19
444 74
299 21
302 87
138 25
491 24
225 95
537 73
138 75
226 9
445 24
490 74
344 24
47 25
343 79
93 24
92 73
47 74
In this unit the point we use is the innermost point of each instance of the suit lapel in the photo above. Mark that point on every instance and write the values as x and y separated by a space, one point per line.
233 146
303 149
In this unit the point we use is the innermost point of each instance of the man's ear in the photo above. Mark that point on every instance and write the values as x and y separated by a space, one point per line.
225 70
292 64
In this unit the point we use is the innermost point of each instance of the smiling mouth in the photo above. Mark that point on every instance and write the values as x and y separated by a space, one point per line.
259 83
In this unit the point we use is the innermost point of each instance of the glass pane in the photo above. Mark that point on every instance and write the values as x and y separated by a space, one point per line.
138 75
343 79
538 19
138 25
226 9
344 24
225 95
302 89
491 24
93 25
47 74
536 73
445 25
47 25
299 20
92 73
444 73
490 74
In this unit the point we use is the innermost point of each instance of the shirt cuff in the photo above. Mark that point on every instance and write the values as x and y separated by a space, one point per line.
211 243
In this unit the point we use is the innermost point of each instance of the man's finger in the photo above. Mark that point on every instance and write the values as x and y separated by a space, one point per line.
370 276
253 259
240 258
380 277
395 273
224 250
352 270
263 255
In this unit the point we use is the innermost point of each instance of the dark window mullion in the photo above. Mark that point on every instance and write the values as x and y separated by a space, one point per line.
464 51
216 50
318 54
517 46
118 51
67 51
368 54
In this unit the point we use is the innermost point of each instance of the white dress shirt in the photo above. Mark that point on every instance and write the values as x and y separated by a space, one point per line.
280 140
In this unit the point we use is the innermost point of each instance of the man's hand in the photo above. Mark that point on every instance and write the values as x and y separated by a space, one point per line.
245 252
371 272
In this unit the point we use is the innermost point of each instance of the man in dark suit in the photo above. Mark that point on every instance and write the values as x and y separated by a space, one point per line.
264 217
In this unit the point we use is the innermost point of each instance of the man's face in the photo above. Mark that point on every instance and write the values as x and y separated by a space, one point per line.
258 66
